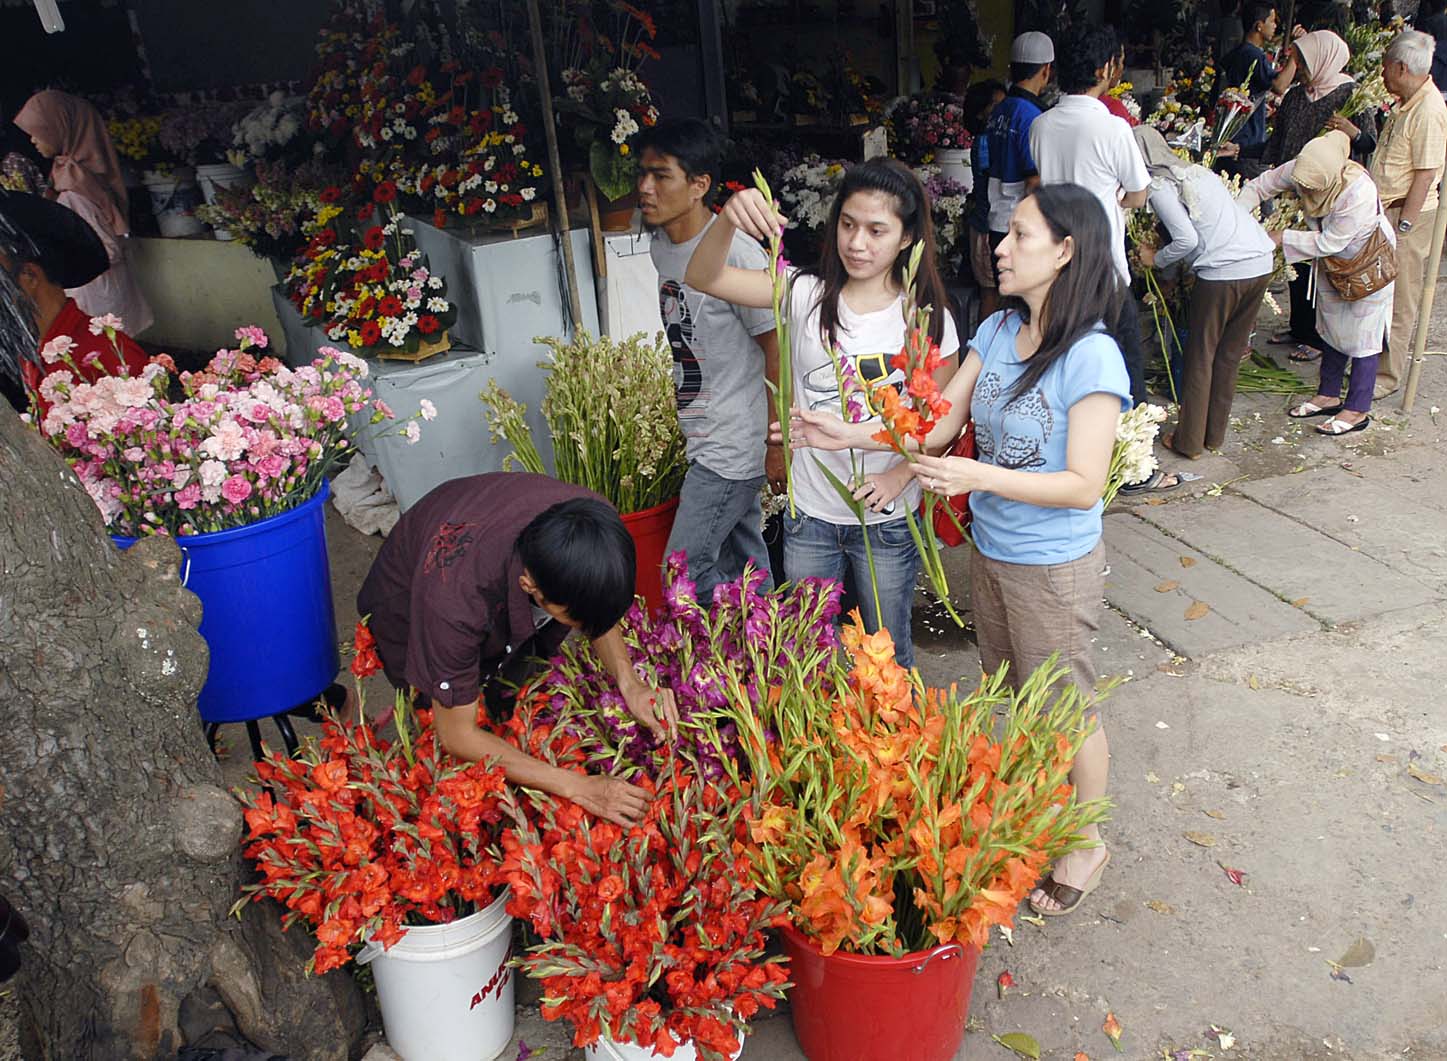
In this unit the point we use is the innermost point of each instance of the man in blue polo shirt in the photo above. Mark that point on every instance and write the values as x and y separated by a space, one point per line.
1012 167
1249 60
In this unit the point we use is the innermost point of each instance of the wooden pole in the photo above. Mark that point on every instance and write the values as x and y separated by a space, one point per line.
550 130
1424 314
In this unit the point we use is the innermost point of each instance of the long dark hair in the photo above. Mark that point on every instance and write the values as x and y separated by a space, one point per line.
894 179
1086 293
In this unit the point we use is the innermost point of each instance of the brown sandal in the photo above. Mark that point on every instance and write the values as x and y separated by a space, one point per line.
1068 898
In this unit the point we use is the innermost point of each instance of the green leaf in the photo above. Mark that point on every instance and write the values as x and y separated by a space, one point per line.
614 174
1020 1044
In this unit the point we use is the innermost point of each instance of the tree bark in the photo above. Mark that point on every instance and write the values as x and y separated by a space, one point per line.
119 842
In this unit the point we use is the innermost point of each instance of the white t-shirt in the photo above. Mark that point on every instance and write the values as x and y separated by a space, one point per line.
1078 141
869 340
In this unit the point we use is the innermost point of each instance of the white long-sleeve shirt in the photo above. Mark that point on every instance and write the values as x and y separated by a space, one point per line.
1220 240
115 290
1357 329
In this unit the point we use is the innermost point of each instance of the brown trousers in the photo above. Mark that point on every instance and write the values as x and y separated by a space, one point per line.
1024 613
1413 249
1223 313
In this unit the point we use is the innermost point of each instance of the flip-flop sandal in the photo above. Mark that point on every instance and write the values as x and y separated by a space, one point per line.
1336 427
1154 483
1303 354
1068 898
1306 410
1283 339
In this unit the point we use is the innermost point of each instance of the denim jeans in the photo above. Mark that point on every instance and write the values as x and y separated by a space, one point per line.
814 548
719 527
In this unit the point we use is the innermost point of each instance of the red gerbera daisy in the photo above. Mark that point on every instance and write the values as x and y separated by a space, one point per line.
330 194
371 333
365 211
428 324
386 192
391 306
439 219
374 238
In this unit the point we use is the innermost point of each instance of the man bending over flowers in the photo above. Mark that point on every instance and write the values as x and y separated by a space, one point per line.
488 573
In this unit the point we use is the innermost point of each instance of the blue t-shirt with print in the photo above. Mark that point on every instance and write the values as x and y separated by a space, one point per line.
1028 434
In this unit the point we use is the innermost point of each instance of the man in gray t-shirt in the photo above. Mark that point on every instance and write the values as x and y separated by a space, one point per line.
721 356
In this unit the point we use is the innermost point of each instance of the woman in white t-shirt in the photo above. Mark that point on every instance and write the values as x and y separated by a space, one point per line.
854 302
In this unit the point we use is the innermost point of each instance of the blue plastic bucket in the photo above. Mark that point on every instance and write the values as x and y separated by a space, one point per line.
266 594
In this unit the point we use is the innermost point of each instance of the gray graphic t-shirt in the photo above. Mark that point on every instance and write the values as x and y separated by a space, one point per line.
718 369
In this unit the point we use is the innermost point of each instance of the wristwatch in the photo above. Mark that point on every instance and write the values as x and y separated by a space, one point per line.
1404 226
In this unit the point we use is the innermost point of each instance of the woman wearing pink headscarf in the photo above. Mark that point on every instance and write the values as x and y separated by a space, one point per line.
1307 110
85 176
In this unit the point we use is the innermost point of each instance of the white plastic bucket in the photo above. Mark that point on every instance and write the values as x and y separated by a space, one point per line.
174 198
446 991
954 163
605 1049
220 175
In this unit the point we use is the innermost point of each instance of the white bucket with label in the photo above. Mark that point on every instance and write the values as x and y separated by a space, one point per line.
220 175
954 163
174 198
446 991
605 1049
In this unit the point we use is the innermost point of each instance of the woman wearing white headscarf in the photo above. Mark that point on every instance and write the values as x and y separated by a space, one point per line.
1342 209
1231 255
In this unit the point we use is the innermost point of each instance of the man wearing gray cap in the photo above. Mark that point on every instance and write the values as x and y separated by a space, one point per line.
1007 136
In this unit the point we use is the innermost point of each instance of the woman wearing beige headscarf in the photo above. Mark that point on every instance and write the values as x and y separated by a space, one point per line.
1342 209
1231 256
85 176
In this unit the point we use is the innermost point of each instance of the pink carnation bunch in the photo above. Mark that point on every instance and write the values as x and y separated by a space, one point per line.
186 453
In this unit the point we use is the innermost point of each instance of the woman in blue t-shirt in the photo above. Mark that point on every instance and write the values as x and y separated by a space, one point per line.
1045 384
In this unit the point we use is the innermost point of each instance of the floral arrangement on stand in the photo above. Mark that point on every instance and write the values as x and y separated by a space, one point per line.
892 817
806 191
1179 113
362 834
268 215
247 438
653 934
1124 91
604 102
1367 43
269 132
743 642
363 280
921 126
200 133
949 200
612 412
137 139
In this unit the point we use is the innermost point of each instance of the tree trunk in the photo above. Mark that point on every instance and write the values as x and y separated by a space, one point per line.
120 844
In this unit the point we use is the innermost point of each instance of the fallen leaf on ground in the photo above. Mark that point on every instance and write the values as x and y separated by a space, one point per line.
1422 775
1031 919
1222 1036
1152 778
1188 561
1155 500
1197 610
1020 1044
1160 907
1300 602
1386 758
1008 934
1201 839
1444 747
1235 876
1251 681
1360 953
1080 1055
1168 585
1219 815
1177 788
1003 983
1113 1031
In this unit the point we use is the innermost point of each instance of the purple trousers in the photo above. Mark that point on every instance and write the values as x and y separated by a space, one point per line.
1363 379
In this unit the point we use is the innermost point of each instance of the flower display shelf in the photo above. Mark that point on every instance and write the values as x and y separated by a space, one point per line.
538 217
431 348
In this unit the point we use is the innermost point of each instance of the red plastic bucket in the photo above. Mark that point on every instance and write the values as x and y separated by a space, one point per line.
650 529
851 1007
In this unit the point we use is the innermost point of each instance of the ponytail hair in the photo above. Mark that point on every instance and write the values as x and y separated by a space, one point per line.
891 178
1086 294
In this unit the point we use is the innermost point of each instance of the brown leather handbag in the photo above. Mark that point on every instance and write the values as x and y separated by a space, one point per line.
1366 272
